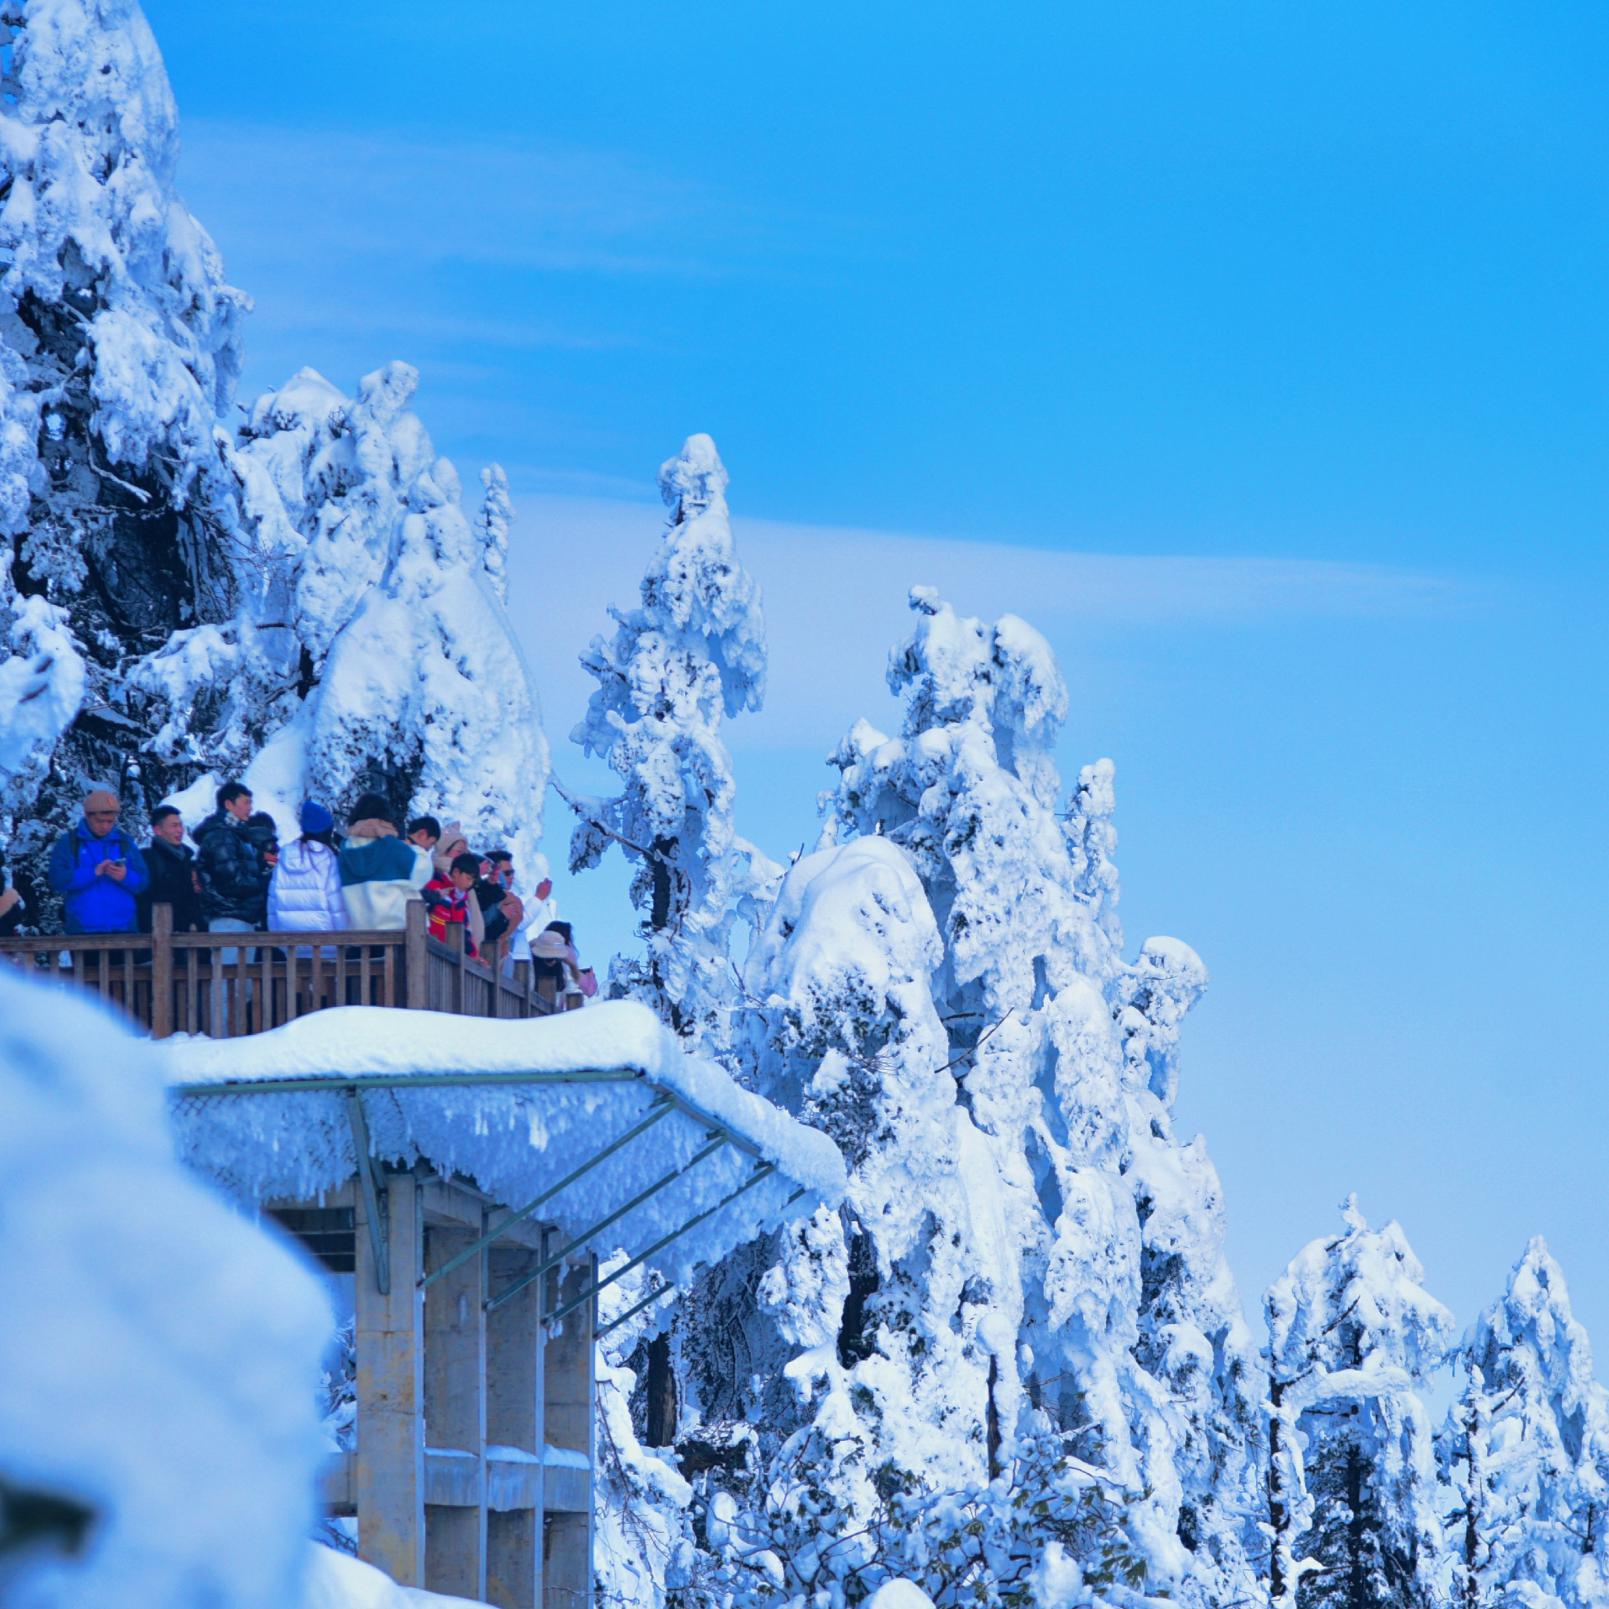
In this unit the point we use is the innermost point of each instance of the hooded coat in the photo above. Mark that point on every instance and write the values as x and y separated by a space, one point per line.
380 873
304 893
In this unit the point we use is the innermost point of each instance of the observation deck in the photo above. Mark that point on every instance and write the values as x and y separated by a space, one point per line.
227 985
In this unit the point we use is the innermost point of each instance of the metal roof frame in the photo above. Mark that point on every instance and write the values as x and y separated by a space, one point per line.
352 1086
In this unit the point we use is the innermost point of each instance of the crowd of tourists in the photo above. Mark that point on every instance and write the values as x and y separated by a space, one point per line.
239 879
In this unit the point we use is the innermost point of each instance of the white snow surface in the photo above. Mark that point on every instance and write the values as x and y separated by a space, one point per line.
338 1581
899 1595
156 1351
513 1140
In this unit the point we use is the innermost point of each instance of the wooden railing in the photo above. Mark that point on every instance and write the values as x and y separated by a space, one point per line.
227 984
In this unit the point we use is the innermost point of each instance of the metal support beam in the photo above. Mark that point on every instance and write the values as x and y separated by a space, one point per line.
635 1309
661 1108
375 1194
715 1143
764 1171
653 1296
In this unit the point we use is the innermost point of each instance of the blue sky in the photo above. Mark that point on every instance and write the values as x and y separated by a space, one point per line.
1257 355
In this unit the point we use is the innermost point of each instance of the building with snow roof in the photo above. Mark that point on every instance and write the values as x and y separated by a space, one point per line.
480 1184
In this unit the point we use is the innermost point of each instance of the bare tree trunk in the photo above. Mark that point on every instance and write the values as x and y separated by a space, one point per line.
1278 1508
662 1394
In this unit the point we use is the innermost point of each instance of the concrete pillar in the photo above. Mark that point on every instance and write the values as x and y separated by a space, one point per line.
390 1483
455 1412
568 1423
514 1359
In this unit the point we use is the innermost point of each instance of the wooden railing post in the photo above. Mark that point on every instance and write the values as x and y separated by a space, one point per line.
417 956
522 982
455 942
161 971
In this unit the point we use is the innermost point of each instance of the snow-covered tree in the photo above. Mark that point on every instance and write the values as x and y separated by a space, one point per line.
1013 1369
492 525
407 676
1525 1448
119 522
1065 1058
308 604
692 652
1353 1337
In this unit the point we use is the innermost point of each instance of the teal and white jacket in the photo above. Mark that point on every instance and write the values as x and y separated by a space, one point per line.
380 873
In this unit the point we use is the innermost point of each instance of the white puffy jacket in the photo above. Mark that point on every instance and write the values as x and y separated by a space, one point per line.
304 894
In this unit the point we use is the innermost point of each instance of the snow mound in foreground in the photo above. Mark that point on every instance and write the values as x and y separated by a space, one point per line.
338 1581
157 1354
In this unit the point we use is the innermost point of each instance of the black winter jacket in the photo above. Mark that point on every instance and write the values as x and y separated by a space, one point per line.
172 868
234 880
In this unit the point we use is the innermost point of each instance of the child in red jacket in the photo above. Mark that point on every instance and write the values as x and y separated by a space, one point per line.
448 897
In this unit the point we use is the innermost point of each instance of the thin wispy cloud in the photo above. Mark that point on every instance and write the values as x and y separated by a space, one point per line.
305 195
836 600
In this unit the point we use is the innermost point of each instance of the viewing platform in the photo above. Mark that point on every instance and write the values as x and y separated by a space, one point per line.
482 1204
227 985
478 1193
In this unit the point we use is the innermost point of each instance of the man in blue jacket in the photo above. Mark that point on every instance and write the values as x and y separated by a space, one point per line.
99 870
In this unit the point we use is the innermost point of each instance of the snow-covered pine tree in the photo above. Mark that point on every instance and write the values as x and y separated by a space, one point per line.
408 678
692 652
1353 1336
1067 1064
118 353
1525 1448
492 524
1193 1337
1079 1234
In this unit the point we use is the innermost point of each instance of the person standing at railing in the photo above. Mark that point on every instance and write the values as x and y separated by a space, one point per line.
450 847
304 893
174 879
504 908
554 958
425 831
234 889
13 907
450 899
380 872
99 870
234 876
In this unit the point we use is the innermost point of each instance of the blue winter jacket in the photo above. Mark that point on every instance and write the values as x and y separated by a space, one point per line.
97 904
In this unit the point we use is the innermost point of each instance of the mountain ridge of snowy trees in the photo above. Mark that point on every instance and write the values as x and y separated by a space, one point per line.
1013 1368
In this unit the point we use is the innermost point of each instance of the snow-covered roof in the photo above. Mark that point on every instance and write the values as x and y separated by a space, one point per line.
515 1107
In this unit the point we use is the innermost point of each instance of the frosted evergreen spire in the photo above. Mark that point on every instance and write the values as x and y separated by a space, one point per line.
492 524
1109 1271
690 654
1525 1449
1353 1338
